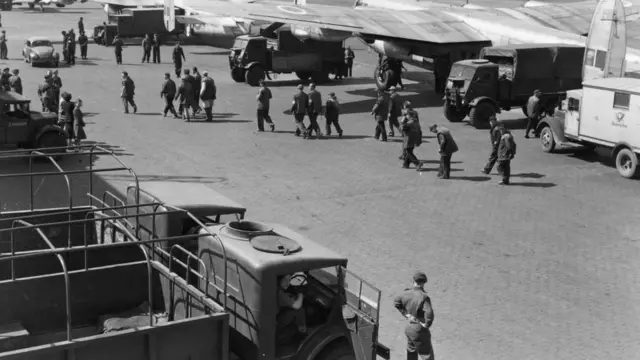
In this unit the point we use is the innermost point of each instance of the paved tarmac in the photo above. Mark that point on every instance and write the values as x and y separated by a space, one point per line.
543 269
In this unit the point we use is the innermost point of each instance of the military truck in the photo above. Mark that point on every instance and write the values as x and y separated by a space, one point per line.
134 23
172 278
22 128
252 57
504 77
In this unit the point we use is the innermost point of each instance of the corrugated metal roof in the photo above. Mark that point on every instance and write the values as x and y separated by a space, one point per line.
624 84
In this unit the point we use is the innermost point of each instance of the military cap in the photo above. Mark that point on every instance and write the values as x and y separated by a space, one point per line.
407 104
167 74
300 87
125 73
6 69
419 277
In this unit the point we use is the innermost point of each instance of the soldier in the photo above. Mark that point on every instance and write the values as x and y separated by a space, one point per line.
506 153
415 305
15 83
494 136
117 48
446 147
57 85
0 20
178 57
395 110
156 49
127 93
185 97
146 48
45 92
208 95
65 51
332 114
3 45
83 41
299 109
264 98
534 112
80 25
4 79
71 48
380 111
197 85
66 116
315 109
412 135
169 93
348 60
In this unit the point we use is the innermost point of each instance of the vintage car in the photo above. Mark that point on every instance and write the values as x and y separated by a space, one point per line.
39 50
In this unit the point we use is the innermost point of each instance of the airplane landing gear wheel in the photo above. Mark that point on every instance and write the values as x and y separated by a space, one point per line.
385 79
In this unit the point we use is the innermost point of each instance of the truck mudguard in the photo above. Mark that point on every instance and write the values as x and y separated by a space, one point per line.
50 128
321 340
620 146
556 129
480 99
252 64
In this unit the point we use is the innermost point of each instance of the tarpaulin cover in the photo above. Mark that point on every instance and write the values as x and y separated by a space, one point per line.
548 67
131 319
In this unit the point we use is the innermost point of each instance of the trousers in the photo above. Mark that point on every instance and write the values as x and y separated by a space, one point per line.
393 123
410 157
83 51
146 54
313 124
262 116
300 128
126 100
493 157
445 166
118 57
168 105
331 120
156 55
381 130
504 168
419 344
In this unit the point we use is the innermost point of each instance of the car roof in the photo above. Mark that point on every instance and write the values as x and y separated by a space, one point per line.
13 97
38 38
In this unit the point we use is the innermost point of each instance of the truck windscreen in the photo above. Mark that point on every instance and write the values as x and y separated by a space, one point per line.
463 71
239 44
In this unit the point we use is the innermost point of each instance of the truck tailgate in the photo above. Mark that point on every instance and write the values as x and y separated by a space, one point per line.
204 337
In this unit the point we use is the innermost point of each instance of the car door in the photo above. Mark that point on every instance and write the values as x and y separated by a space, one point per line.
362 314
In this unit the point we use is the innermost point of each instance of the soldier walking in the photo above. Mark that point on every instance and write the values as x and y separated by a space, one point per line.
315 109
127 93
494 136
83 41
332 114
415 305
3 46
146 48
380 111
264 99
534 112
395 111
506 153
185 97
197 85
45 92
117 48
156 49
207 94
71 48
15 82
178 57
446 147
348 60
412 136
81 26
168 92
299 109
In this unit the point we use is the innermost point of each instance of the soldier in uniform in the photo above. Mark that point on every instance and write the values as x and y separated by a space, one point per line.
156 49
169 93
395 110
380 111
185 97
57 85
146 48
80 26
494 136
117 48
178 57
534 112
207 94
415 305
4 79
446 147
348 60
45 92
299 109
83 41
15 83
412 136
65 51
264 99
315 109
127 93
332 114
197 86
3 45
71 48
506 153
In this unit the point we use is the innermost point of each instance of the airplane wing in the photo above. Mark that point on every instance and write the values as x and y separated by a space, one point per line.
429 25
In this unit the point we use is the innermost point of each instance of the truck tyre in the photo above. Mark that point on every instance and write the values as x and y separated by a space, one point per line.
340 351
303 75
384 80
254 75
547 141
626 163
51 139
479 114
454 114
320 77
237 74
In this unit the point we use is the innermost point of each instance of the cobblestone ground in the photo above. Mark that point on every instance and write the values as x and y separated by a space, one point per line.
543 269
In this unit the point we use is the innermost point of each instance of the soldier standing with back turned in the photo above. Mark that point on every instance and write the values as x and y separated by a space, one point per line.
117 48
380 111
146 48
156 49
348 60
506 153
315 109
83 41
415 305
264 99
168 92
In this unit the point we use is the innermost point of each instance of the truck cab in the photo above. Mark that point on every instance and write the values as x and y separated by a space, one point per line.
469 81
245 263
20 127
249 51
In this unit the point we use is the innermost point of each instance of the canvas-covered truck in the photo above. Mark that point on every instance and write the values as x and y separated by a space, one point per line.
252 57
181 231
604 113
134 23
504 77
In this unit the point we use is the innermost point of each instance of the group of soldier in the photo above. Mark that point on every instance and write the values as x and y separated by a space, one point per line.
69 44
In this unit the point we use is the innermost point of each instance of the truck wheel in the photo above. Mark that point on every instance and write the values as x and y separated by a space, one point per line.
49 140
254 75
479 114
547 140
626 163
237 74
454 114
341 351
384 80
303 75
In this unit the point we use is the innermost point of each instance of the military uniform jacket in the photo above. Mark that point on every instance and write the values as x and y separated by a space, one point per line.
494 136
83 40
332 111
117 43
168 88
185 93
197 81
208 87
300 103
128 87
146 44
507 147
381 108
415 302
447 145
57 82
533 107
315 102
178 55
45 90
264 98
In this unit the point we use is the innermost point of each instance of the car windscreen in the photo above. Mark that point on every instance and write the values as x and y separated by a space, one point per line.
38 43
